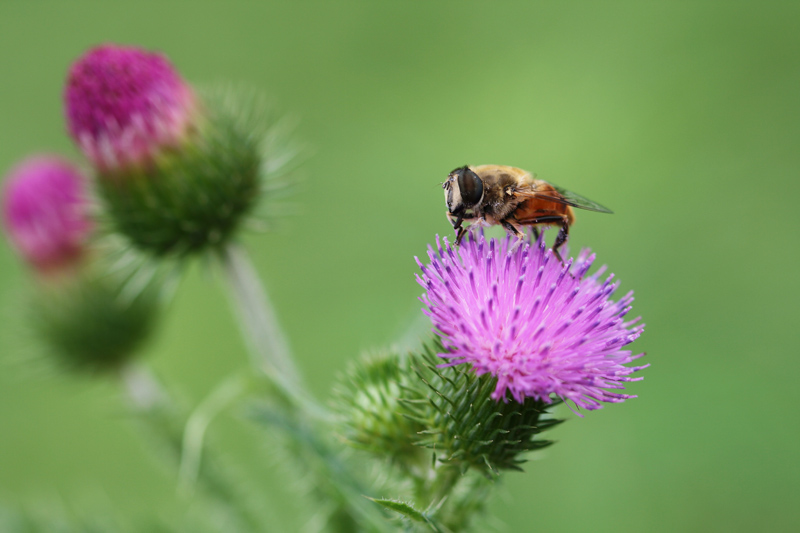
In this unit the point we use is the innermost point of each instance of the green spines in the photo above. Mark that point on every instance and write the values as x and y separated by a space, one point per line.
464 426
368 403
408 511
393 406
193 197
436 424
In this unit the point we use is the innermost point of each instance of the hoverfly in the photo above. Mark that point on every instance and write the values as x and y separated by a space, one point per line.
512 198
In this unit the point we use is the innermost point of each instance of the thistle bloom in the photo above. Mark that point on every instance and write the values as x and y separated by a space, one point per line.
538 326
45 212
124 104
177 174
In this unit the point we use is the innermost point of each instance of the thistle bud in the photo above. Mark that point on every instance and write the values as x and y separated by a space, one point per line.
368 400
45 213
178 173
78 308
89 324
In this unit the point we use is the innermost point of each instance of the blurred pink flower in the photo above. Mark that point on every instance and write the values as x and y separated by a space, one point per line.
45 212
124 104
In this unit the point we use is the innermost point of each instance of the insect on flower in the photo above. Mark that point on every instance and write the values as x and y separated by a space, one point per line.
512 198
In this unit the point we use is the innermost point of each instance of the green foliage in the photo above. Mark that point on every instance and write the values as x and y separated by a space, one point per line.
196 195
336 486
465 427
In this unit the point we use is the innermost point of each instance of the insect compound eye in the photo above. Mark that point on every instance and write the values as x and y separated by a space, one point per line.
470 186
448 198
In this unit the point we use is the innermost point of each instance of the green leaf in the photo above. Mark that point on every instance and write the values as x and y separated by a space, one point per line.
403 508
407 510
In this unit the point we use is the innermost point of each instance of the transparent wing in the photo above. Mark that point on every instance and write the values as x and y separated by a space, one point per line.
572 199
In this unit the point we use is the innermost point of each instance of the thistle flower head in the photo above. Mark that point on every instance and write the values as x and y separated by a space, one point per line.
45 212
178 172
123 105
540 327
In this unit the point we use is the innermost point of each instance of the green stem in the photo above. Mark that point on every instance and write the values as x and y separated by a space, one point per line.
446 478
267 344
301 417
143 392
196 425
269 348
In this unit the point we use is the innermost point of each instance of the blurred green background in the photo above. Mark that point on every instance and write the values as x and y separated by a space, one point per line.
684 117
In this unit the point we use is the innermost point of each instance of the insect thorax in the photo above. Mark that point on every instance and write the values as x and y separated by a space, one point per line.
499 200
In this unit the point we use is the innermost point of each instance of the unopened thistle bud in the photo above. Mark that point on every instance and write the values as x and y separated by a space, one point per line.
89 324
368 400
178 173
45 213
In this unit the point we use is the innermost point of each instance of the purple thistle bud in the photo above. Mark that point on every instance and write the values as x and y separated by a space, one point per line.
45 212
123 105
538 326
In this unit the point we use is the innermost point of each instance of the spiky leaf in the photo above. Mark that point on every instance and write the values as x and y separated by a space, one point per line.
408 511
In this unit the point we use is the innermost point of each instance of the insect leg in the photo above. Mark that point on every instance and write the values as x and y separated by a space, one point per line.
511 229
554 220
561 238
460 230
460 234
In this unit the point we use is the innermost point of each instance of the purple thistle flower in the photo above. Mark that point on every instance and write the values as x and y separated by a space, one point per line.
45 212
538 326
124 104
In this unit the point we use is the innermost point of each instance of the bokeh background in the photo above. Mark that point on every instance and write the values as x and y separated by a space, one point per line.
684 117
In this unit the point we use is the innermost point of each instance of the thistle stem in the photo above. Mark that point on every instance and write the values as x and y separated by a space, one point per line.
270 355
267 343
447 477
143 391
